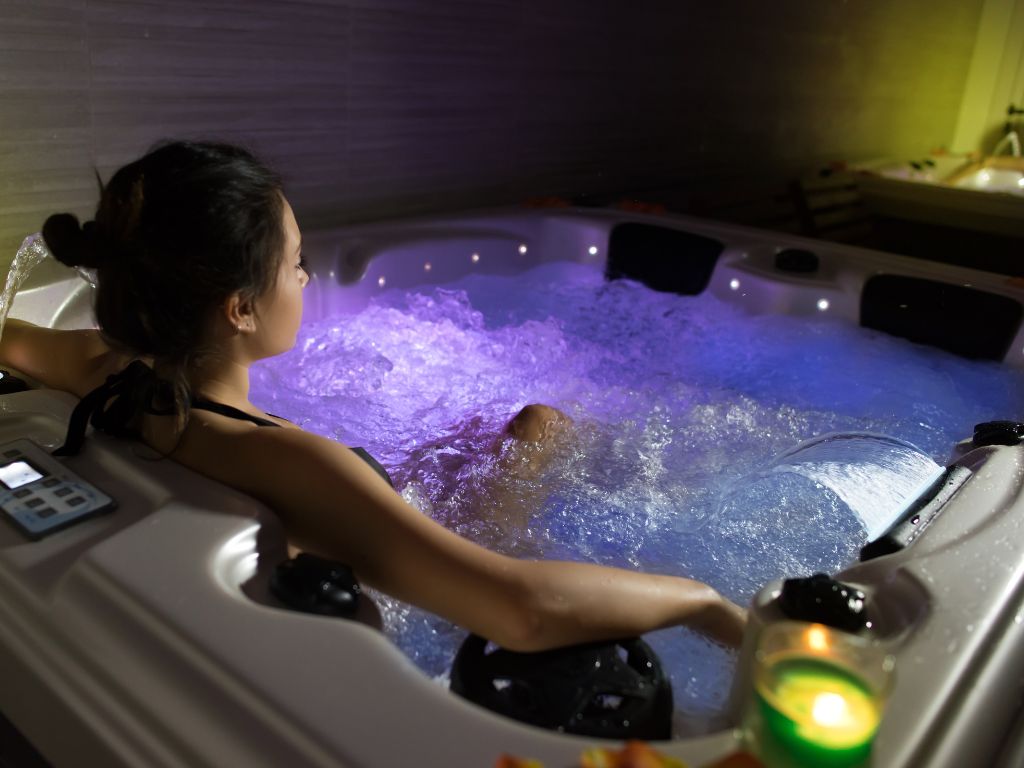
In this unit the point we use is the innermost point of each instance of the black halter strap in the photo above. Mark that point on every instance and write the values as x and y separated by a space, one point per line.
200 404
113 406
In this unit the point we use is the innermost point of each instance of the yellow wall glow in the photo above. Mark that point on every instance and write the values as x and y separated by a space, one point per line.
996 76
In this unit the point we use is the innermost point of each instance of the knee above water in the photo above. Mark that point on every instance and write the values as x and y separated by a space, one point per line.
536 422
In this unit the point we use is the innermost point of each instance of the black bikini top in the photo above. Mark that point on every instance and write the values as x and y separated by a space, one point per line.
113 405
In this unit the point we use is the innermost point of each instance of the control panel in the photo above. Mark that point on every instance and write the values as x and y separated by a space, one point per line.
39 495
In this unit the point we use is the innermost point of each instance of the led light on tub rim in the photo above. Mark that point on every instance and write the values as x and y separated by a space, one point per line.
818 695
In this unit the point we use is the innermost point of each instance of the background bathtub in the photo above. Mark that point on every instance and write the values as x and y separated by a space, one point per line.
147 637
984 196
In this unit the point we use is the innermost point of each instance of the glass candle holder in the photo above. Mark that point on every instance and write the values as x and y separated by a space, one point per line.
818 695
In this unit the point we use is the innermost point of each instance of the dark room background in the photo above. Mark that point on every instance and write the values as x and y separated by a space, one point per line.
381 108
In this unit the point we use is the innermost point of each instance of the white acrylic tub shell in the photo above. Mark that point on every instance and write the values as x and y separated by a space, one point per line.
147 637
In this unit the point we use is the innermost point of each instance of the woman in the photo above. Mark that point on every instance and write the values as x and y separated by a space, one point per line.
200 274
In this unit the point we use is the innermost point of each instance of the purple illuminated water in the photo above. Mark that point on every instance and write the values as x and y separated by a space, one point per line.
678 404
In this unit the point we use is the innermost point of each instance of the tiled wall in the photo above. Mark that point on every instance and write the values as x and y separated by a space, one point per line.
378 108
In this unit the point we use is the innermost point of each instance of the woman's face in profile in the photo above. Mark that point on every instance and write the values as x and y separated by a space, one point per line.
280 309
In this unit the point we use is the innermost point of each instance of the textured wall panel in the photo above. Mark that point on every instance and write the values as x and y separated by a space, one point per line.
377 108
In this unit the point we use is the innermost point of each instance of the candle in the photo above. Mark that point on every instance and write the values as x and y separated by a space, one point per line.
819 711
819 694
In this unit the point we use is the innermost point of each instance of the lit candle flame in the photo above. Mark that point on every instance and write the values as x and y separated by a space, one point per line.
831 710
817 639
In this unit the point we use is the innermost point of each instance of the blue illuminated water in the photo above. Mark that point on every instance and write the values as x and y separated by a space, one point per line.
680 406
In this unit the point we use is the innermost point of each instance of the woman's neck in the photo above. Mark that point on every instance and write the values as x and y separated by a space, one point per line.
221 380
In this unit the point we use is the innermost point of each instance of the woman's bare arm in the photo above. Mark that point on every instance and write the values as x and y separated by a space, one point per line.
333 504
73 361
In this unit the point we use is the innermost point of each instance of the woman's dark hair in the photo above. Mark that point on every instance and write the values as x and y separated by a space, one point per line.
175 233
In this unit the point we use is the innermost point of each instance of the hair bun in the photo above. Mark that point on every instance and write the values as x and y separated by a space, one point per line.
69 242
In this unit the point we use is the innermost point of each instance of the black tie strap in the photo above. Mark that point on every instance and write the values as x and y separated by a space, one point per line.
114 405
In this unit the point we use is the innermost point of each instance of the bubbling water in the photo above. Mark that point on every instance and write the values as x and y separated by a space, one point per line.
678 405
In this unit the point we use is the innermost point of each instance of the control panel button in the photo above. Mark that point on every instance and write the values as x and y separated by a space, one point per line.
22 493
50 482
74 501
34 502
46 512
62 491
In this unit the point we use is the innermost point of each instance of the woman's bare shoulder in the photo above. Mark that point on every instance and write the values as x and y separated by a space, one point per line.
277 465
330 500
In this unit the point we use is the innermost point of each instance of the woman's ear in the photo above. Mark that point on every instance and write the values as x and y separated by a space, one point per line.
240 313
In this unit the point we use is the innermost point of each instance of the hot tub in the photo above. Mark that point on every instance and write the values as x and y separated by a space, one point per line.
148 636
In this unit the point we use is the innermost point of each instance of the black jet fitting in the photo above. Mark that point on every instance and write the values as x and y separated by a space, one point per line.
796 260
316 585
998 433
822 599
613 690
10 383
